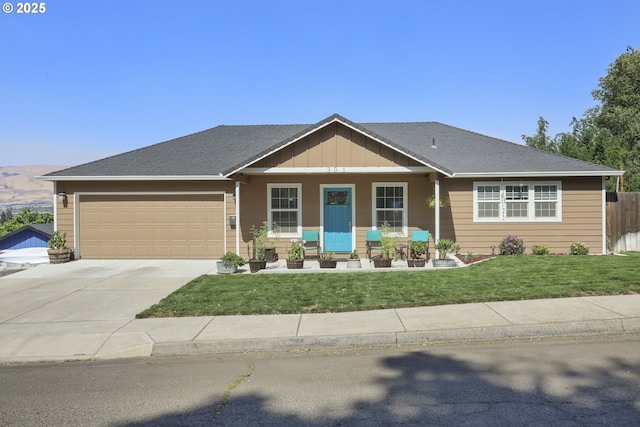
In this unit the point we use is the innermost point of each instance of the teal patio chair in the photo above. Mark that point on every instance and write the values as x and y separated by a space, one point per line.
419 236
311 240
374 241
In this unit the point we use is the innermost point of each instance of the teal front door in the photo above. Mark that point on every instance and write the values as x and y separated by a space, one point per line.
337 219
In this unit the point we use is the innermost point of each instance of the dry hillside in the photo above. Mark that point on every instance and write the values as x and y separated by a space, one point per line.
19 187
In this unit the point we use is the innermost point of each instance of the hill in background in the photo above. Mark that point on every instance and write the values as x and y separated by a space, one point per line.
19 187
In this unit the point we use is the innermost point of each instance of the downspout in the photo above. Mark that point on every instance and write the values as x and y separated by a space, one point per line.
237 196
437 209
604 216
55 205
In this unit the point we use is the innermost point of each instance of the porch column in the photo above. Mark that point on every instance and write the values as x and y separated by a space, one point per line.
237 197
437 209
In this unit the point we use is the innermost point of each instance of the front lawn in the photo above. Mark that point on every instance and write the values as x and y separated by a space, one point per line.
500 279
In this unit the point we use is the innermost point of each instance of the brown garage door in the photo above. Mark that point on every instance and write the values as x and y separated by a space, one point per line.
152 226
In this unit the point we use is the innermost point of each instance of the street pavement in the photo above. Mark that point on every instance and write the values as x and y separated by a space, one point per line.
85 310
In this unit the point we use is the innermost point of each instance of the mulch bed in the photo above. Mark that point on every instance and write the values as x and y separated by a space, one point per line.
475 258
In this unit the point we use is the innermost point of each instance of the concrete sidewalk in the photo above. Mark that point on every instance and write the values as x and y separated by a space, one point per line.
85 310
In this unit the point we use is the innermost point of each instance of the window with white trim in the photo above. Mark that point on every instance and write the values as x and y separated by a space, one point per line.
284 207
390 206
517 201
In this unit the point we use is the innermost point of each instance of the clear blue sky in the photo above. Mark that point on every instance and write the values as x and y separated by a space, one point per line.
89 79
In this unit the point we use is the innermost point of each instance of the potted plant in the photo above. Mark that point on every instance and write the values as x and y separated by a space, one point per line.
388 245
58 252
417 248
270 253
260 236
354 260
229 263
327 260
443 247
294 254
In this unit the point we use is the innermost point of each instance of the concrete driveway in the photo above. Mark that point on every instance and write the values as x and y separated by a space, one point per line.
72 311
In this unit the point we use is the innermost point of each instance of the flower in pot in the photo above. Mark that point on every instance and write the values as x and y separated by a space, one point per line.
229 263
58 252
388 245
294 254
443 247
327 260
354 260
417 249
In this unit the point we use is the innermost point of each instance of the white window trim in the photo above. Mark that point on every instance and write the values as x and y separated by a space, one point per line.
405 205
298 232
531 202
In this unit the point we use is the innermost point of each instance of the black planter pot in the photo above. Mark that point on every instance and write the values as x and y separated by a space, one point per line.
256 265
420 262
328 263
382 262
295 265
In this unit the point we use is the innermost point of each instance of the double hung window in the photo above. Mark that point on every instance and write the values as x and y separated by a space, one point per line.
517 201
390 206
284 203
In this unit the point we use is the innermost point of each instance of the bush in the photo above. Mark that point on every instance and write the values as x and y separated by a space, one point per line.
578 248
511 245
540 249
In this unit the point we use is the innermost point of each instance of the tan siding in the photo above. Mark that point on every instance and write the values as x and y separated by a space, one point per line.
66 219
254 203
581 219
336 146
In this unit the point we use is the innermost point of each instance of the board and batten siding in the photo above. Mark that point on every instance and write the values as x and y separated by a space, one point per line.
581 218
335 145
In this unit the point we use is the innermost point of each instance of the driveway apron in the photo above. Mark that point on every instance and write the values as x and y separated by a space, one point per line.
72 310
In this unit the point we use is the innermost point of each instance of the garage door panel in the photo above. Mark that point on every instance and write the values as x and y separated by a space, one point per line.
152 226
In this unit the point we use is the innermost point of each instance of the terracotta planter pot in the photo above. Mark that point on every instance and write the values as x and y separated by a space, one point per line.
420 262
295 265
59 256
382 262
256 265
328 263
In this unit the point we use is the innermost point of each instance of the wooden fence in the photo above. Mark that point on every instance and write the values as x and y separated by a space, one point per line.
623 222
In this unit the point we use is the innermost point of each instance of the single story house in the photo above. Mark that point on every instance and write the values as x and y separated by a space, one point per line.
29 236
199 195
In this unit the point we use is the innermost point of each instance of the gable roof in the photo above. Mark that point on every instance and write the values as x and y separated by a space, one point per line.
219 152
44 230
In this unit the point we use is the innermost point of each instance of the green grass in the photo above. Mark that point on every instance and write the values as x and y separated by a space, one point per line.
500 279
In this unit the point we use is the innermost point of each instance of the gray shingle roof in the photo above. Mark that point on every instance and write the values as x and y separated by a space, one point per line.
224 149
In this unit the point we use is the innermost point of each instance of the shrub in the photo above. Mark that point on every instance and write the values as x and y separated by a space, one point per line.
511 245
540 249
578 248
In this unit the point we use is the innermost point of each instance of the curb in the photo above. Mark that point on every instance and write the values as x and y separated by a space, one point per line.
593 327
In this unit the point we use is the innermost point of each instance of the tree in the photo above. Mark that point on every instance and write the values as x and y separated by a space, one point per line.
6 215
540 140
24 217
608 134
619 112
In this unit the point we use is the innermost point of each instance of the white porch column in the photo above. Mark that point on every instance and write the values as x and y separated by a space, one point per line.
437 209
237 196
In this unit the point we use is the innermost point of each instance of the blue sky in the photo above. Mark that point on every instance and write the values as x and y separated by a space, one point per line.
86 80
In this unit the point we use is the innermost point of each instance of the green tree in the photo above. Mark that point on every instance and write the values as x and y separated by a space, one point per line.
619 112
24 217
6 215
608 134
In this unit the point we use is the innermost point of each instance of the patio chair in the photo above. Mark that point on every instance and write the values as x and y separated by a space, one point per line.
374 241
419 236
311 240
